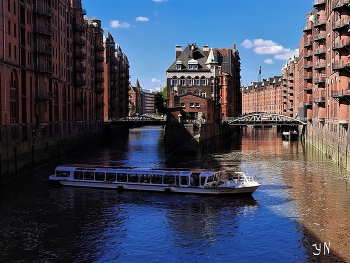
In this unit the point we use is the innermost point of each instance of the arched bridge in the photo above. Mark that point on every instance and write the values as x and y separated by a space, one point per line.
263 119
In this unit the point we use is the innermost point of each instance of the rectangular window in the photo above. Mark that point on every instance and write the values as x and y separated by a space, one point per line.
177 104
191 104
197 104
182 104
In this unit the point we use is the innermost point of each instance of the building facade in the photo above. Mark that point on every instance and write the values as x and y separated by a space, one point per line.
203 84
56 66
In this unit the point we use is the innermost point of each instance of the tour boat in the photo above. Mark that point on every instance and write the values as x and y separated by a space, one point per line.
290 135
188 181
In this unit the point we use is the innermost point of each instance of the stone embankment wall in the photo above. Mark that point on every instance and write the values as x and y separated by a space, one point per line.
19 156
333 144
192 138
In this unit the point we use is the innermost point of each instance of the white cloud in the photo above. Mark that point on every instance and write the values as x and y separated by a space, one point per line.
263 47
117 24
155 80
268 61
141 19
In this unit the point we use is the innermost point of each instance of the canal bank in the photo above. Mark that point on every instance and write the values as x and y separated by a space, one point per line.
183 138
22 149
331 140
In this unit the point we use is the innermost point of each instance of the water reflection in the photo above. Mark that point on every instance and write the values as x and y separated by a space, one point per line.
303 201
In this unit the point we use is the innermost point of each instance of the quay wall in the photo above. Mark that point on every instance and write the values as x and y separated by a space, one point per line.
333 143
192 138
29 152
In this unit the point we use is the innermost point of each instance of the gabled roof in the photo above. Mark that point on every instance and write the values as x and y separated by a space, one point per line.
189 55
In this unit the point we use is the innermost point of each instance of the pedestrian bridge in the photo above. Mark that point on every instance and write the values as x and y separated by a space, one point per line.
263 119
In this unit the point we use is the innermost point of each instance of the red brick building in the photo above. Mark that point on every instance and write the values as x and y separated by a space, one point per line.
55 69
203 84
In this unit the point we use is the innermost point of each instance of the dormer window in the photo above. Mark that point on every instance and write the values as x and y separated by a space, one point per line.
178 64
192 64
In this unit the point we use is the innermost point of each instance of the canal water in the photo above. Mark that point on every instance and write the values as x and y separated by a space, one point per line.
301 213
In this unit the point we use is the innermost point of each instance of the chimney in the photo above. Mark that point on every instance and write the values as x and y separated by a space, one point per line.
178 50
206 50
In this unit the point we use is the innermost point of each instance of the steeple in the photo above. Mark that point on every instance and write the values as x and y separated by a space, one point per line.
137 84
211 59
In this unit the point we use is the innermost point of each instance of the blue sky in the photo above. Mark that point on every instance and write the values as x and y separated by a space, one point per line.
266 32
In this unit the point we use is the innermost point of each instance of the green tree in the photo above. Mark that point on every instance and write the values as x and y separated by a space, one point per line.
161 101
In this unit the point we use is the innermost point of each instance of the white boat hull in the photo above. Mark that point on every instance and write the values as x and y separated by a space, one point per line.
232 190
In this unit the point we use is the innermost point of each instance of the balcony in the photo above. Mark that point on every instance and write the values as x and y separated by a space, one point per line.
42 10
78 27
79 41
44 96
42 49
79 82
99 57
307 88
340 44
320 36
320 64
318 100
340 93
43 68
320 21
308 103
338 4
80 69
43 30
340 24
99 47
320 51
319 2
319 79
308 43
308 76
79 54
307 65
340 65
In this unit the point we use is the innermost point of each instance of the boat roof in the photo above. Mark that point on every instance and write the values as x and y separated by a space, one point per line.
144 170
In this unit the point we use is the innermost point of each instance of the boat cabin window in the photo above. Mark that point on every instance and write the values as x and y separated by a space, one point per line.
62 173
203 180
184 180
145 178
88 175
156 179
122 177
169 179
78 175
210 179
99 176
110 177
133 178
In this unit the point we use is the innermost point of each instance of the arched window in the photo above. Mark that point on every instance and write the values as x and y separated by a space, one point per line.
174 81
182 81
203 93
183 91
189 81
196 81
202 81
196 92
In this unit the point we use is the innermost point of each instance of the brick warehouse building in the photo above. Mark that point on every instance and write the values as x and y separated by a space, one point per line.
55 67
315 85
